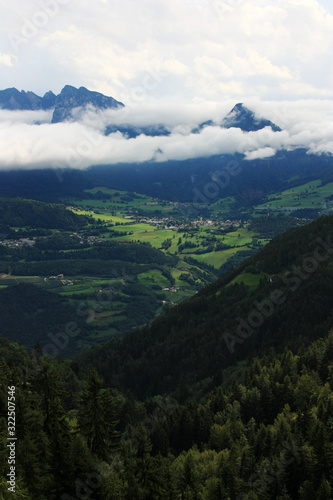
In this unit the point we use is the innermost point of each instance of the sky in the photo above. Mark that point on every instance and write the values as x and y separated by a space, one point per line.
177 62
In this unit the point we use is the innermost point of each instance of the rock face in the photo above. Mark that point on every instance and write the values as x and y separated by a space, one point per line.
49 99
63 104
71 98
14 100
243 118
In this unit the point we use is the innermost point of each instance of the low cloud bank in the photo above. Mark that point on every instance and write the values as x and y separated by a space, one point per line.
28 140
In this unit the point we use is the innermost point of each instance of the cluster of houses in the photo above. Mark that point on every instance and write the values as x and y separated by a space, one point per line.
60 277
172 289
22 242
167 223
30 242
89 239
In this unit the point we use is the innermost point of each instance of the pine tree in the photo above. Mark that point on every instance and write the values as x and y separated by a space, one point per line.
56 427
98 417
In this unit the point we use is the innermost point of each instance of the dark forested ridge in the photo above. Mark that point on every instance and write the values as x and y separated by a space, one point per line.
176 180
35 214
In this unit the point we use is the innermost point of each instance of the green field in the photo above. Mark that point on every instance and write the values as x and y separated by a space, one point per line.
117 219
249 279
127 202
153 277
15 280
217 259
104 217
222 206
87 285
311 195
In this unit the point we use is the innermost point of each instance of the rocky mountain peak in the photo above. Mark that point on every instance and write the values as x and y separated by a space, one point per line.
242 117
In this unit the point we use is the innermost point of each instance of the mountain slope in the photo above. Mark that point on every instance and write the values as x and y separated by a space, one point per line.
186 351
183 181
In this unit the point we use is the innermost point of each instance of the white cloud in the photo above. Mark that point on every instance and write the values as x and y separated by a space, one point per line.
6 59
260 153
306 124
27 117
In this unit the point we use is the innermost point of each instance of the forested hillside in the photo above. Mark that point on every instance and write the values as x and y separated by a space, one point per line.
269 436
287 305
177 180
34 214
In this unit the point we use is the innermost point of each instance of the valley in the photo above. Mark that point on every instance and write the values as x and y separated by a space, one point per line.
132 256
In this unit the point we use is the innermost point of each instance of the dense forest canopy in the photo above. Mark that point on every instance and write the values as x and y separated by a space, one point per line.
267 436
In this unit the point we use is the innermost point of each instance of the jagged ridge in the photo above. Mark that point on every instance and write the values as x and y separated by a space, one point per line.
69 98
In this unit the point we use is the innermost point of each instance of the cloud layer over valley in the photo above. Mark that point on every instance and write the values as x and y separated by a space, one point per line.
28 139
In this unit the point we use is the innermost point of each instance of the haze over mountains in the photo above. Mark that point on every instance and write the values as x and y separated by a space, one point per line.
94 130
71 98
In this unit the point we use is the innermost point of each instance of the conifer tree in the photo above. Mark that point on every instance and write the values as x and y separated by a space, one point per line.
98 417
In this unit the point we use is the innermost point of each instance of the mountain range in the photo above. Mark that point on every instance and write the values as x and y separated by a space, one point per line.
63 104
70 98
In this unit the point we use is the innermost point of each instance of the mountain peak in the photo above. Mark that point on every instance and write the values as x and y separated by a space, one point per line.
69 98
242 117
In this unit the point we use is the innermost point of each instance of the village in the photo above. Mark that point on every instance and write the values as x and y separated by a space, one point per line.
170 223
21 242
